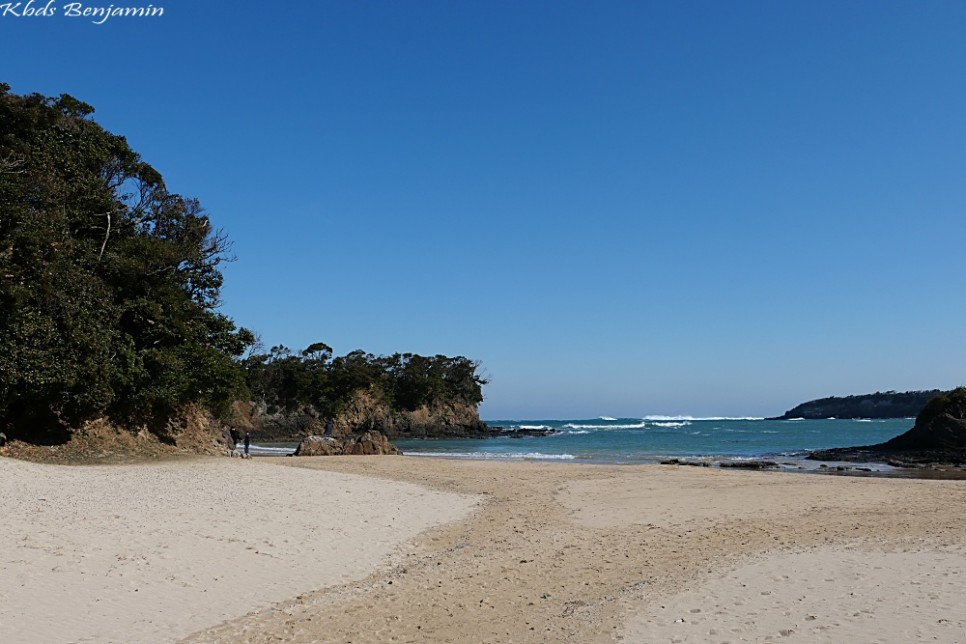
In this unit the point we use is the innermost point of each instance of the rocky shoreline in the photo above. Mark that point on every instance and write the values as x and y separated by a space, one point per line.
930 459
937 440
371 442
451 420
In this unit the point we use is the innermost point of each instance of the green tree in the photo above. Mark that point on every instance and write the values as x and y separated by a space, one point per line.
313 382
109 283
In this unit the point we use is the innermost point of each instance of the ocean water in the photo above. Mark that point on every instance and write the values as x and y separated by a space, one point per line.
656 438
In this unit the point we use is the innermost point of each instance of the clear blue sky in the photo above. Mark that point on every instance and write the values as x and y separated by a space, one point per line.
620 208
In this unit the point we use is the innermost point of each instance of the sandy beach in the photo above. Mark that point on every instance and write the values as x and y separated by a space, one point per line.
401 549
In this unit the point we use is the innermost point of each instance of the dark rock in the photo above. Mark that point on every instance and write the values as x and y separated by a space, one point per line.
503 432
677 461
938 437
940 426
3 439
750 465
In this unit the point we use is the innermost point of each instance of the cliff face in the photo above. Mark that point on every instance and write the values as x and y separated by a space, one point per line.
364 413
265 426
447 420
878 405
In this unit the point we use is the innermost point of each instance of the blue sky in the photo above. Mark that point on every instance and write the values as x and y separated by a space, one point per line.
620 208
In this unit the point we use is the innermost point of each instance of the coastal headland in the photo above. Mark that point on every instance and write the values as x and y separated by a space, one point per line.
889 404
377 549
937 439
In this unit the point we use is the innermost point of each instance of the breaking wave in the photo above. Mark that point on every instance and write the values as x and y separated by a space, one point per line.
494 456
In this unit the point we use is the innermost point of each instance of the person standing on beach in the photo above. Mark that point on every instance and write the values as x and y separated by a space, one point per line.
248 442
328 427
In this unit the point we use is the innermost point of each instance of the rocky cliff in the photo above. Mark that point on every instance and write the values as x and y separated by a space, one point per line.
454 419
938 437
878 405
364 413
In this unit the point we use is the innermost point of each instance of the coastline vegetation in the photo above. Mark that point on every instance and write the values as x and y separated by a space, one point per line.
888 404
109 296
313 379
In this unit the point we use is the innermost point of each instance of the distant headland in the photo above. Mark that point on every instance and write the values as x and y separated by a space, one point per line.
889 404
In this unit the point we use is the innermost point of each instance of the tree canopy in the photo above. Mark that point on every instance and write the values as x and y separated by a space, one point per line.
109 283
109 295
314 380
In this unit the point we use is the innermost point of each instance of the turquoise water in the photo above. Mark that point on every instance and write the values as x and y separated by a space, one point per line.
651 439
655 438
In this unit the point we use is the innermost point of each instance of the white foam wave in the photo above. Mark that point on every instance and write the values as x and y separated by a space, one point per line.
551 457
693 418
640 425
514 456
258 449
683 423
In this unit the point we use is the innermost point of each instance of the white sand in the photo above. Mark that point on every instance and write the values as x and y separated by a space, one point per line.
151 553
223 551
689 497
827 594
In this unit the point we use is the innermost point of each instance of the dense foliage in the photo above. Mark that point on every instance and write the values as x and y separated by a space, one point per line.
109 288
314 380
108 282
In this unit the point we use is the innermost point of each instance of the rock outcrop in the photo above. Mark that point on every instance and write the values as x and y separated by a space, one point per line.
364 444
940 426
938 437
364 412
878 405
446 420
265 425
